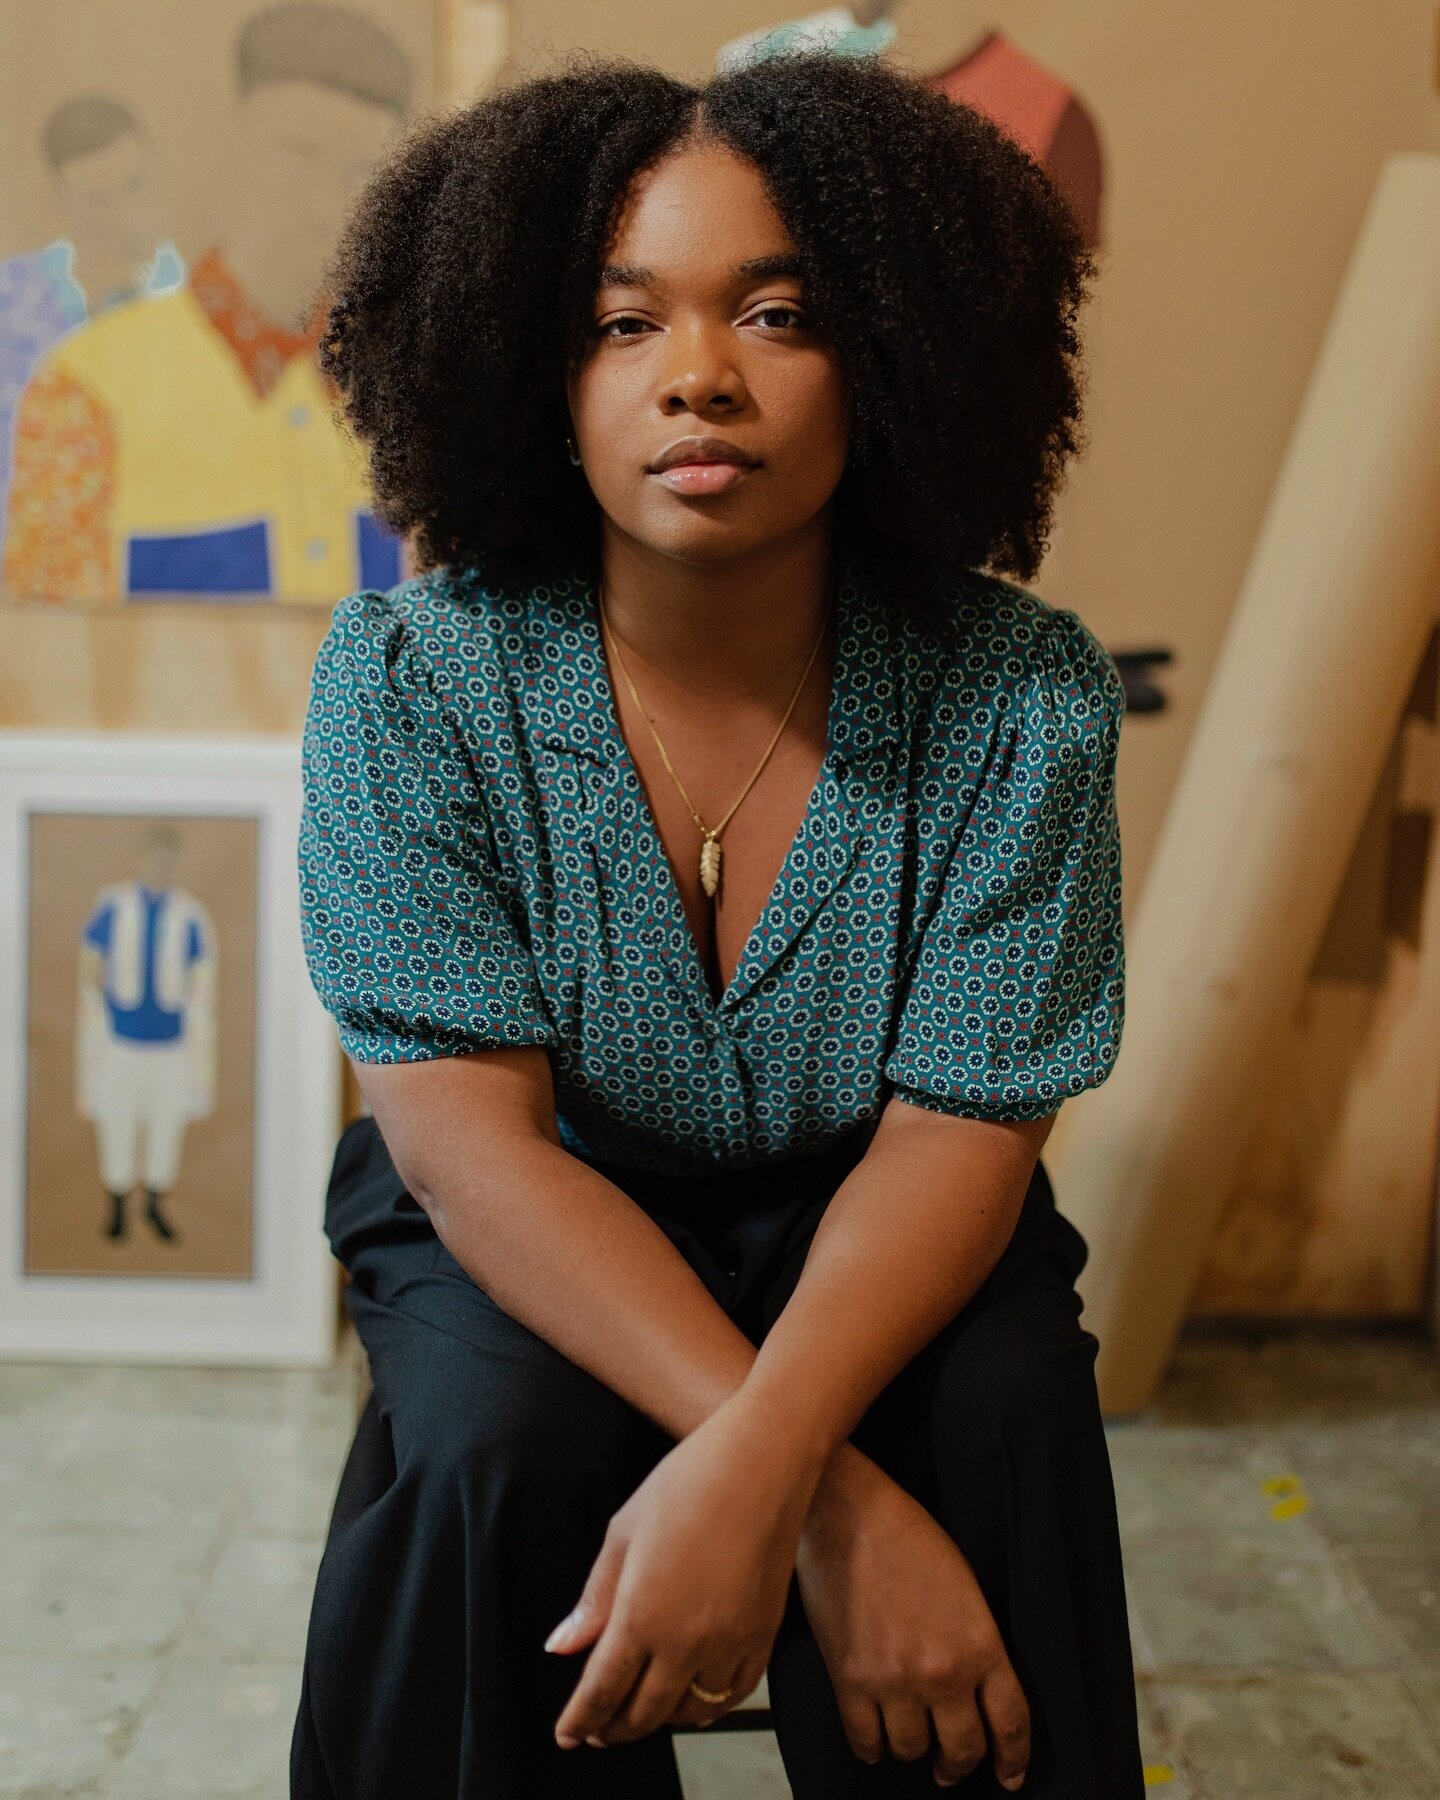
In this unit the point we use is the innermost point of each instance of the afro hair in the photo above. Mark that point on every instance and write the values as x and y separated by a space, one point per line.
937 258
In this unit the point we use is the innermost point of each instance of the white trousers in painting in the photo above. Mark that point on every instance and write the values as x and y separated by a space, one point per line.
141 1113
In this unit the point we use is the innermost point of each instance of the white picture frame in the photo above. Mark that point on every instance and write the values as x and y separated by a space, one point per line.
281 1309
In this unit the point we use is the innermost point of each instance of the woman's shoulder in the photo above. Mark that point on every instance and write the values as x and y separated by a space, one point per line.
436 617
449 638
981 640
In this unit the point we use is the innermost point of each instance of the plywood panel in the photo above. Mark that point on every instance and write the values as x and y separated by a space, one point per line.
156 668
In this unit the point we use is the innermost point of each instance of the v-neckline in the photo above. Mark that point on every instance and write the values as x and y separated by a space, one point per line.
772 919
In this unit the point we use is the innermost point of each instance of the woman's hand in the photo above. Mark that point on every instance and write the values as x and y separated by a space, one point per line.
690 1584
905 1632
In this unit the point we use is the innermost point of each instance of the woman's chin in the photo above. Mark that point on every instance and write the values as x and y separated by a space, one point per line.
714 531
704 538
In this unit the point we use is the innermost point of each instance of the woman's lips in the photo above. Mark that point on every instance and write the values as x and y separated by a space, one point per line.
703 477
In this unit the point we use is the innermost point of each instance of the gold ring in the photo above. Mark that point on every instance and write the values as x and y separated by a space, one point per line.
709 1698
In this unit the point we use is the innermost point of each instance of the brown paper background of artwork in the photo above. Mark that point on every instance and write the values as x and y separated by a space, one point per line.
72 856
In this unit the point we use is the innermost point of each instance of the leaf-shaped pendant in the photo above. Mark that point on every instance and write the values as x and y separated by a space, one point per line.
710 865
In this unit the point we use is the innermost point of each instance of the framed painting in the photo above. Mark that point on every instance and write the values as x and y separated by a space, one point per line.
169 1083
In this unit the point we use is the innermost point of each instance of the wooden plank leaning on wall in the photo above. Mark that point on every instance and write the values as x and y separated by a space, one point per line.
1333 1211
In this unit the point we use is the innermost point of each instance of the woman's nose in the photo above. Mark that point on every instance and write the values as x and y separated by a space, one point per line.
701 372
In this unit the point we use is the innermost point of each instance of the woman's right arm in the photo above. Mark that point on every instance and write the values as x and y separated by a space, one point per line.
560 1248
418 945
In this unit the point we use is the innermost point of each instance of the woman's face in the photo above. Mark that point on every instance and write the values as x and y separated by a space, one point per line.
695 336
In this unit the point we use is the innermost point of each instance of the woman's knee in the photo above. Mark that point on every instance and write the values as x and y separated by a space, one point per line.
1025 1364
528 1423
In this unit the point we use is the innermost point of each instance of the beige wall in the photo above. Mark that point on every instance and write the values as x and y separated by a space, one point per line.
1242 142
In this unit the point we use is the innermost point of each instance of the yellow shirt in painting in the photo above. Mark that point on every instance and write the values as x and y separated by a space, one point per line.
151 459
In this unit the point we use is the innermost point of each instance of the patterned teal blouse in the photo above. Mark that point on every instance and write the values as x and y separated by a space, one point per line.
480 867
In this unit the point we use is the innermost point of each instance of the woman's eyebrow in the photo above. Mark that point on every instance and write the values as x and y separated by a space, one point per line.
754 268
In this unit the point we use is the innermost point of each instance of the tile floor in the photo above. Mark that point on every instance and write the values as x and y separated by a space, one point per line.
1280 1506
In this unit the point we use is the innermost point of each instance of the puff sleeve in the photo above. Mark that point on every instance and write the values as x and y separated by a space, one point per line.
415 942
1017 994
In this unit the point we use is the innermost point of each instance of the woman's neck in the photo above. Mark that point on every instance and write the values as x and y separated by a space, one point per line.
720 634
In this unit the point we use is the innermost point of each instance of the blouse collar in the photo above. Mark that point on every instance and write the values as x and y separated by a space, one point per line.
866 715
853 789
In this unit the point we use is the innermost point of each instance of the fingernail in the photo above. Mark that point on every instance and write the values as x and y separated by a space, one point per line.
559 1634
598 1742
1011 1783
566 1742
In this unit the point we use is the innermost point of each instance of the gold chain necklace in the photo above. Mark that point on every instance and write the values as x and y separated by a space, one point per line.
710 847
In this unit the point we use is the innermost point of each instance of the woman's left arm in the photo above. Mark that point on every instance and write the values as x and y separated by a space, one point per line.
905 1241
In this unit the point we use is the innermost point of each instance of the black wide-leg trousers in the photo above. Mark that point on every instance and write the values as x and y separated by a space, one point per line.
486 1467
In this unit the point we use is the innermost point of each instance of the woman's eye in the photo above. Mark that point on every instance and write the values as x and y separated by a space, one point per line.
780 306
612 328
783 312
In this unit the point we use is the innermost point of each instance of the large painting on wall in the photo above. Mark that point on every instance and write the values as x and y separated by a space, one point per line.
174 177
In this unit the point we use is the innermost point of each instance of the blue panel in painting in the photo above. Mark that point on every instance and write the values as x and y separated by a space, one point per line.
233 560
379 553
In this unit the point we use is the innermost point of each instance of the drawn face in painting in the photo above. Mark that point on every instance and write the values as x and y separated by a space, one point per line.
303 150
113 200
162 847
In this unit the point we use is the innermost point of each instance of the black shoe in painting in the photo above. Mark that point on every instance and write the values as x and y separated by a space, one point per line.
116 1227
152 1213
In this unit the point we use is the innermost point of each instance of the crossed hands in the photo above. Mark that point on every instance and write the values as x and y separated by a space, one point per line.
691 1584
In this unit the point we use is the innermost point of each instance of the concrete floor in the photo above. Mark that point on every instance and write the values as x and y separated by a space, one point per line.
160 1530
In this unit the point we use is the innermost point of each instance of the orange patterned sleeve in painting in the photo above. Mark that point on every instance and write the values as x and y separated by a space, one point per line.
59 536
